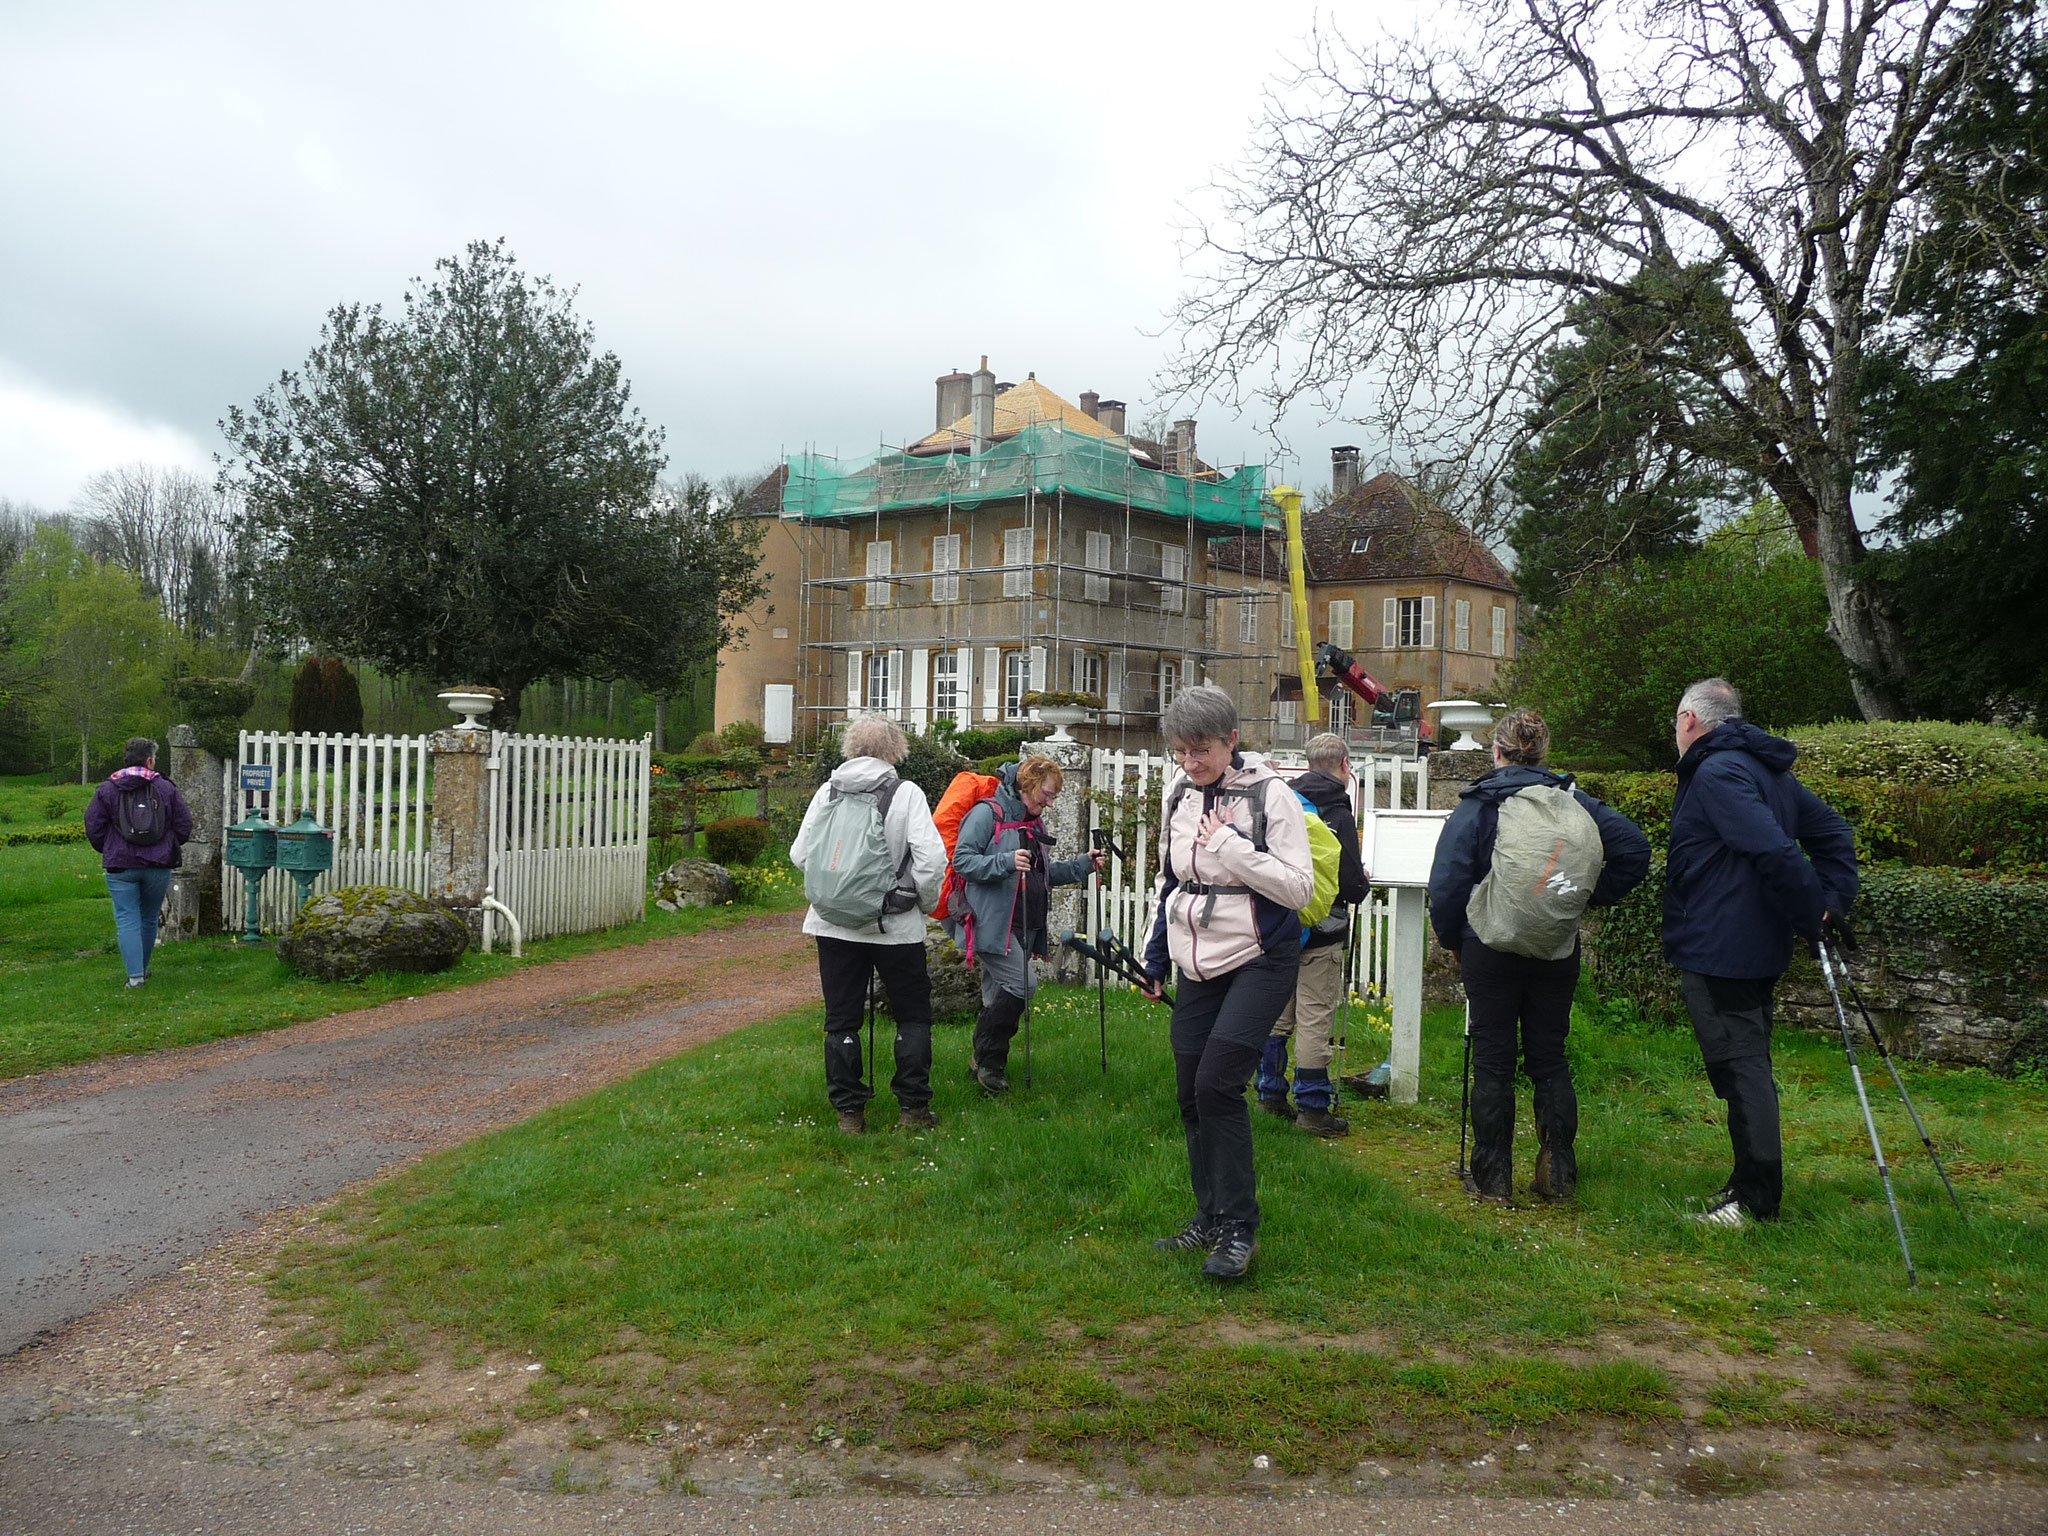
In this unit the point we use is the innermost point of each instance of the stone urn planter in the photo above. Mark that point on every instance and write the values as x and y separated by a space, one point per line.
469 703
1464 716
1060 716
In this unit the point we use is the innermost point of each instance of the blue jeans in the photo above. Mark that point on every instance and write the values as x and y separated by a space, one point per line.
138 901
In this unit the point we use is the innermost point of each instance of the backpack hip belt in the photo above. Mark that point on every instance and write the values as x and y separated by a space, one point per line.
1202 888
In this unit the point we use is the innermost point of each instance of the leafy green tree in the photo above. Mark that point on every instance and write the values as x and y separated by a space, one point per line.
94 642
1605 667
464 491
1958 404
1625 451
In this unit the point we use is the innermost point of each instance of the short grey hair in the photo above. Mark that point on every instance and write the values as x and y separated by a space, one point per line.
875 736
1711 700
138 751
1327 750
1202 713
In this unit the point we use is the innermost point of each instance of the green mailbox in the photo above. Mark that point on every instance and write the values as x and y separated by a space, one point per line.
252 848
306 850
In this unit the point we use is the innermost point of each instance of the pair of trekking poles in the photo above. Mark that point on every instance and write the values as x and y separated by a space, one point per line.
1827 951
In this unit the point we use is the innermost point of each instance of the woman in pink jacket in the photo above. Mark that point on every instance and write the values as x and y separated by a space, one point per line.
1234 869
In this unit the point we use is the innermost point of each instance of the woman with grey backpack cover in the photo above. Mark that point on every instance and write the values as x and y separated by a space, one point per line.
1520 859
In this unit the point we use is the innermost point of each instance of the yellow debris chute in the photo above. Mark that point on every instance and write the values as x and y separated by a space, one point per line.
1288 499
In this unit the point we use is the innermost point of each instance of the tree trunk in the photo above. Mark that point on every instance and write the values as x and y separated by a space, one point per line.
661 722
611 705
1860 622
505 713
84 772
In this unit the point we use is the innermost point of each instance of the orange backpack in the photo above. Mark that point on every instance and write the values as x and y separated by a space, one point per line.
966 791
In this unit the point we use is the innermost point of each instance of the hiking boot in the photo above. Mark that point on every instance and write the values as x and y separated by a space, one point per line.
1556 1179
1726 1213
1320 1122
991 1081
853 1122
919 1119
1484 1196
1198 1236
1232 1255
1276 1104
1557 1128
1491 1177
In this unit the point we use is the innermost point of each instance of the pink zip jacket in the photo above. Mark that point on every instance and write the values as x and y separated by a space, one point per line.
1223 902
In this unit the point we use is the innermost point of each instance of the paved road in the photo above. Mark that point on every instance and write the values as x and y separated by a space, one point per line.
81 1479
116 1173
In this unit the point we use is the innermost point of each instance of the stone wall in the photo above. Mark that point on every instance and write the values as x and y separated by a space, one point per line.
1925 1002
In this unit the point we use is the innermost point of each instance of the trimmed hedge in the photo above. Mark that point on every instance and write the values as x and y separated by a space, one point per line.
36 837
2000 825
735 839
1998 926
1933 752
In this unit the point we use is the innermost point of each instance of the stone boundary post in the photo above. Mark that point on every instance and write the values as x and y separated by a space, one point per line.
458 847
192 907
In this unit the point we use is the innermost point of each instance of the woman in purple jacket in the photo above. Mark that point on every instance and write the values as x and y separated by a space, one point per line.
137 822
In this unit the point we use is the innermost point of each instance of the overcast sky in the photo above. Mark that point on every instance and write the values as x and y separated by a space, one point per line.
785 219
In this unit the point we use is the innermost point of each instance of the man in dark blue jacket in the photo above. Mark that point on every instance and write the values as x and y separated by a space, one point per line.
1737 887
1521 1005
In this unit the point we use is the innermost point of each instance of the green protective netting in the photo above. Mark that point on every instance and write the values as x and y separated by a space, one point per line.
1040 458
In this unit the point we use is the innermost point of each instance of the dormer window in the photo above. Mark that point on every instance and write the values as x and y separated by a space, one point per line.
1361 544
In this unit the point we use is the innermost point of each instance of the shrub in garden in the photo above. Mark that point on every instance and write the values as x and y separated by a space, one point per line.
325 698
214 706
704 744
735 839
742 733
1926 752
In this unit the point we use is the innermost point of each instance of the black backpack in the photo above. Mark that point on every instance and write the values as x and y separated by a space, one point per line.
139 813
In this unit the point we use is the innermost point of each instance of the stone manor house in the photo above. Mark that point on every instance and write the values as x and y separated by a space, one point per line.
1028 542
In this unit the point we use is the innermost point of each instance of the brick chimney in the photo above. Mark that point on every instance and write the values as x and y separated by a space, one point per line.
1090 403
1180 448
1343 470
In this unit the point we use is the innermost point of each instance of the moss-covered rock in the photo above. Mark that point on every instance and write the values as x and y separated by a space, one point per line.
694 883
364 928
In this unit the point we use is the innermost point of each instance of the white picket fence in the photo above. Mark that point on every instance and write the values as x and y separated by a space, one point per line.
568 832
371 791
1123 899
567 850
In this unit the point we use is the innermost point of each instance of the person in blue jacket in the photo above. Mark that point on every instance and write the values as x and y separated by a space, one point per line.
1755 858
1506 990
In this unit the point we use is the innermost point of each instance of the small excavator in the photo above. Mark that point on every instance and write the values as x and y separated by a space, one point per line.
1396 712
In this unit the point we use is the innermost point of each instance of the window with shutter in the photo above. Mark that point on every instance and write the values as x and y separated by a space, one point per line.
1169 683
1173 566
1287 622
1340 623
881 561
1388 637
1096 556
1247 621
945 557
1500 631
946 701
1461 634
1016 683
1340 711
1411 621
1091 674
1017 562
880 674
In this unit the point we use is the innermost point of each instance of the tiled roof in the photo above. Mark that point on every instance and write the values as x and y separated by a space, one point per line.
765 499
1019 406
1405 537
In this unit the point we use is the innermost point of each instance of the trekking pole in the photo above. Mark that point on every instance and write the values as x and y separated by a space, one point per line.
1344 1001
1102 1014
1899 1083
871 1037
1465 1092
1884 1174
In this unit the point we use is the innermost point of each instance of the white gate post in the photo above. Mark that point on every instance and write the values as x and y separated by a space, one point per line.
1405 989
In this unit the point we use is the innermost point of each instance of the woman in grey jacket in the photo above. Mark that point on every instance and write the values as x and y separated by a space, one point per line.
892 948
1007 876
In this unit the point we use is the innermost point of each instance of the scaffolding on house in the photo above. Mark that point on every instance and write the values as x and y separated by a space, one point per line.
1074 616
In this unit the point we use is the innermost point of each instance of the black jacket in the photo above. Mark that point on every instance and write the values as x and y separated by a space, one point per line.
1464 851
1332 800
1736 884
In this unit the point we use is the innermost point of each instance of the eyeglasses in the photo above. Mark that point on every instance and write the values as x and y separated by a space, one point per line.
1182 754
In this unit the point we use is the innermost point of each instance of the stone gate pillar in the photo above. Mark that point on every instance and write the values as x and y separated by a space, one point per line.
458 848
1067 820
192 906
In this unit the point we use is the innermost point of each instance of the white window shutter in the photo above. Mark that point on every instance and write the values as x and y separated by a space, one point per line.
1500 630
1078 672
1038 669
895 703
963 680
920 684
1388 619
1428 622
1114 698
856 673
1461 632
991 683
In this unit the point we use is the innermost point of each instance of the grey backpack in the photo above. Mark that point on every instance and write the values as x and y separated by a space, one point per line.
847 876
1547 858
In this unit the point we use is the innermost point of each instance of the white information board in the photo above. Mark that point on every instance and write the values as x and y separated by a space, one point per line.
1403 846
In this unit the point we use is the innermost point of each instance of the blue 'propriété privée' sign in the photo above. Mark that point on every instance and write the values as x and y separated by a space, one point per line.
256 778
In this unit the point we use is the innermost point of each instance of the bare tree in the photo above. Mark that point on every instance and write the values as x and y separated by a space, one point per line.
1418 218
172 529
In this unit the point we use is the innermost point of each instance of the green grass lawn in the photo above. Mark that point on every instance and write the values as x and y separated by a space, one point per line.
699 1240
63 997
30 802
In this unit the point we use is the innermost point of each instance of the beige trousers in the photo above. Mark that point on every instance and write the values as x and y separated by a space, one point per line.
1313 1007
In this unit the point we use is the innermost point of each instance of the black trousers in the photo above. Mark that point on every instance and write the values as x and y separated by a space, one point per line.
1731 1019
843 971
1511 996
1219 1028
